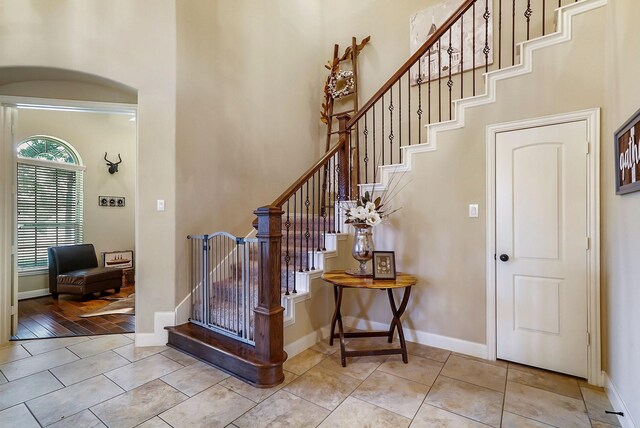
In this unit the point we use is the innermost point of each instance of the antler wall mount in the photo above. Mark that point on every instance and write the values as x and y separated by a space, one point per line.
113 166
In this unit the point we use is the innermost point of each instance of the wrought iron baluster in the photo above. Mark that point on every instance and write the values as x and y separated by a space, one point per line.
238 287
318 213
301 220
336 209
324 213
439 80
375 163
391 136
450 81
287 256
409 101
419 82
295 240
313 221
307 235
366 149
513 33
399 119
544 19
527 14
382 124
486 49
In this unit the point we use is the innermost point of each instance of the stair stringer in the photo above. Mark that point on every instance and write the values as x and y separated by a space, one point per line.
565 16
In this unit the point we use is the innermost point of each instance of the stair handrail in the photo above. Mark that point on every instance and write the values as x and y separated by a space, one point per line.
428 44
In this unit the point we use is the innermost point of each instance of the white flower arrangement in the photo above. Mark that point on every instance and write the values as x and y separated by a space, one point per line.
367 211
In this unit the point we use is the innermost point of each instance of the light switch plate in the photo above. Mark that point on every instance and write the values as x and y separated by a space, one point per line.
473 210
160 205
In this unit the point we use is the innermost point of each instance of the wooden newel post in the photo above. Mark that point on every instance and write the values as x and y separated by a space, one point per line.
269 323
344 154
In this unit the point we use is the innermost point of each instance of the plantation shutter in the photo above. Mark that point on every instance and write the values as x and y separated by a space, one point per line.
49 212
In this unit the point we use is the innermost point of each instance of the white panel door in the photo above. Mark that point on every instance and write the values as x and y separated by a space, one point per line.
541 246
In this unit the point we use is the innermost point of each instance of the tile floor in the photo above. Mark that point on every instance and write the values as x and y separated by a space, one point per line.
106 381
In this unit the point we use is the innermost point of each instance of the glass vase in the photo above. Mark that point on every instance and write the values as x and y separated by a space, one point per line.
362 248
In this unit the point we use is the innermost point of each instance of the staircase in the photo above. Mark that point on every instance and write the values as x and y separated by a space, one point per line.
425 96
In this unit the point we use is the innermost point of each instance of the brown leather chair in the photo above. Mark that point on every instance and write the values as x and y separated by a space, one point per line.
73 269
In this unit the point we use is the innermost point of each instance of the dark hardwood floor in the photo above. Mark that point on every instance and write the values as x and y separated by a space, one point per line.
44 317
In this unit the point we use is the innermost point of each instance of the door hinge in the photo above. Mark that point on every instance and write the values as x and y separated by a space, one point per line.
14 310
588 147
588 339
588 243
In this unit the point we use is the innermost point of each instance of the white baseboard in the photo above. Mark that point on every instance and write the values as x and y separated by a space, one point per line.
618 403
297 346
450 343
159 336
22 295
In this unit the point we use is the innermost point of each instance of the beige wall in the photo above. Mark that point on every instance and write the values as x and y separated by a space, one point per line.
92 134
620 226
134 44
249 92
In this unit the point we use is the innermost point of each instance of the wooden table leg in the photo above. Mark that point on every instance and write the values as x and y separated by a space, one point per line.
395 321
343 358
336 313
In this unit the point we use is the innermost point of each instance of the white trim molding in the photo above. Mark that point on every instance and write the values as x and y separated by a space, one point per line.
160 336
592 118
618 404
22 295
460 346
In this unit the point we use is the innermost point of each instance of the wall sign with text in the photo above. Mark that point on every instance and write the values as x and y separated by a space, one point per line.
627 156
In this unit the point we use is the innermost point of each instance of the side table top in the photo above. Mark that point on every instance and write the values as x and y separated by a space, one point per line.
343 279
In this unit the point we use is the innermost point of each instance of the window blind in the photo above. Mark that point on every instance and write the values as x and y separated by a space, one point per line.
49 212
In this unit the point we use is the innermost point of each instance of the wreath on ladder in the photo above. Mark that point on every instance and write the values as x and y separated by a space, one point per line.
341 84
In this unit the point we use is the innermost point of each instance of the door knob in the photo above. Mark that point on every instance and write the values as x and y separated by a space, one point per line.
504 257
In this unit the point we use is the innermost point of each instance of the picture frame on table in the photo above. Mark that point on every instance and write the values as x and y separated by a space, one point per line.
384 265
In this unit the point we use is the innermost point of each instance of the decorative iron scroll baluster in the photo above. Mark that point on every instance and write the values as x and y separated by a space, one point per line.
400 120
419 81
461 67
391 136
313 222
382 124
513 33
439 81
543 17
450 81
365 132
500 34
527 14
295 241
287 256
473 49
336 214
486 49
307 235
318 213
301 221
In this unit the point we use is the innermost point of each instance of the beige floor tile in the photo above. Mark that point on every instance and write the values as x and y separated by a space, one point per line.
84 419
597 402
138 405
475 402
429 416
214 407
323 387
60 404
179 357
368 343
323 347
598 424
303 361
545 406
511 420
28 366
194 378
131 336
282 409
99 344
17 417
584 384
418 369
256 394
498 363
154 423
355 413
12 352
143 371
27 388
430 352
549 381
89 367
133 353
3 379
475 372
36 347
393 393
358 367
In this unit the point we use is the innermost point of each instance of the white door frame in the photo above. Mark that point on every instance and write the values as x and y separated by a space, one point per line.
7 159
592 118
